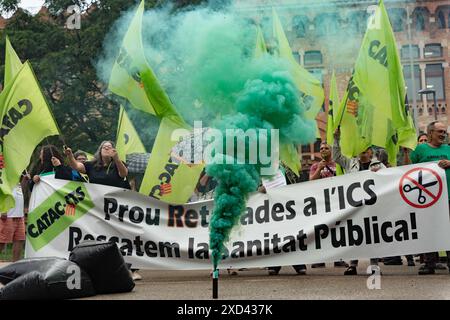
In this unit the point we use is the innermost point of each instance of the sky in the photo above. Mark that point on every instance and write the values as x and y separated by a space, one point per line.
31 5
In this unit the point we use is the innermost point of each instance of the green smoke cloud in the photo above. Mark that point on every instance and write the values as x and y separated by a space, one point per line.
268 101
204 60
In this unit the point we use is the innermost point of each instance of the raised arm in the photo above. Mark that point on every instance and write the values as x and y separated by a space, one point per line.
121 168
338 157
74 164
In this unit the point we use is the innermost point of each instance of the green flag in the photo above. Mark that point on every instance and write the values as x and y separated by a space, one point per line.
260 48
166 178
407 136
133 79
127 140
305 81
12 63
290 157
26 120
372 110
125 79
288 153
333 101
183 178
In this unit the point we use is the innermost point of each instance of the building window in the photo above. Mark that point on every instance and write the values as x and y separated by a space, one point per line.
433 51
299 26
358 22
405 53
317 145
409 81
317 73
434 76
313 58
296 56
441 20
326 24
397 18
306 148
420 15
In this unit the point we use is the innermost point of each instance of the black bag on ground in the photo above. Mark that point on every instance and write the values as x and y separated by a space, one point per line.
21 267
104 263
45 278
30 286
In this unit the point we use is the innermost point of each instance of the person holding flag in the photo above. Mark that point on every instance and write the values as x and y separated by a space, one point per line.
365 161
106 168
51 161
133 79
373 109
325 168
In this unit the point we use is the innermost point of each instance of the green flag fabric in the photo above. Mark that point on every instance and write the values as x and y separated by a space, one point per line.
333 101
127 140
372 110
288 153
260 48
12 63
166 178
290 157
133 79
407 136
26 120
333 105
305 81
125 79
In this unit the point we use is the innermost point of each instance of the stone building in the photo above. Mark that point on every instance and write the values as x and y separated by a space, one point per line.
326 35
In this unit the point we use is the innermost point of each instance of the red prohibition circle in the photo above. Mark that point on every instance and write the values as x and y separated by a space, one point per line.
415 205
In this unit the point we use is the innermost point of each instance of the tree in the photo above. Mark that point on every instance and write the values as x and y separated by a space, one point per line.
64 62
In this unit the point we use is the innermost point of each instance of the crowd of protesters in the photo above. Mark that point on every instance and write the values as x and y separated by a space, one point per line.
107 169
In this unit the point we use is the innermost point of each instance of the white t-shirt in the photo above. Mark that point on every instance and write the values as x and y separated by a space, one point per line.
17 211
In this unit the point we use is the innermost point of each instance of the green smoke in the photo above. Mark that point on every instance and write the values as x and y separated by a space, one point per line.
204 60
269 100
217 69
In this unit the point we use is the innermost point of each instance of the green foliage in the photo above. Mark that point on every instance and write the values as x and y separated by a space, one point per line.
8 5
64 62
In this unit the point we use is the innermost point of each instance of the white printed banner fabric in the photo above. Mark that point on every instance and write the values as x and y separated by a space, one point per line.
395 211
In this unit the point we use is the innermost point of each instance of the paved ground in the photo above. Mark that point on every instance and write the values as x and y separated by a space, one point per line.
397 282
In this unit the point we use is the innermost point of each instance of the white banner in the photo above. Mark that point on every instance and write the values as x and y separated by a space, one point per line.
396 211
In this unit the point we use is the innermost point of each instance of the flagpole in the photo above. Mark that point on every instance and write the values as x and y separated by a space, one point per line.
121 112
343 110
411 68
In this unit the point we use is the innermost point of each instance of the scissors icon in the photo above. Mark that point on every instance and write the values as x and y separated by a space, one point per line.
422 199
